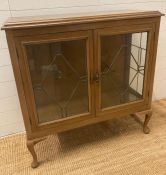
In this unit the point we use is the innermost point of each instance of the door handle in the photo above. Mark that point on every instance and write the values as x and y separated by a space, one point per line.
96 77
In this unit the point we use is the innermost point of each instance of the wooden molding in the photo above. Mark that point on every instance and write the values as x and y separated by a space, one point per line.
54 20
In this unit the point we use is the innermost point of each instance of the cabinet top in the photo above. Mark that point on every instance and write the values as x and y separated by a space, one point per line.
73 18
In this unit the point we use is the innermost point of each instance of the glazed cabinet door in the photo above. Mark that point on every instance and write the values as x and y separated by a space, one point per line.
56 70
123 66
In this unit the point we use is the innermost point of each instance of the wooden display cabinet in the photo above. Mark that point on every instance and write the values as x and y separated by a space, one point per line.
73 70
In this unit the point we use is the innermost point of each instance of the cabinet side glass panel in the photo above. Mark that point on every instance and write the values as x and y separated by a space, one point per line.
59 78
123 60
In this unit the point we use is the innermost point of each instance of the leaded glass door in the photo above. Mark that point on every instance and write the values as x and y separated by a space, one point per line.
59 71
121 68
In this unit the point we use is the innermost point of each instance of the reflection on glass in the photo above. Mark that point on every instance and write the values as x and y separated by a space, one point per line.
59 78
122 68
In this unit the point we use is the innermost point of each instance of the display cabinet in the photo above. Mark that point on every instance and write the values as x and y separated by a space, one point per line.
78 69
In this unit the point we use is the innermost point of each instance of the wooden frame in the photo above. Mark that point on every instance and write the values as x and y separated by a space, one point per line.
23 31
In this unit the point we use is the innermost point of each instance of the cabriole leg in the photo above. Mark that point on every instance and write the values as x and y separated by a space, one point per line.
146 129
30 146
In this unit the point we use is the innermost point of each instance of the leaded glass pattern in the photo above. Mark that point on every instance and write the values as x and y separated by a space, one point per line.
59 78
122 68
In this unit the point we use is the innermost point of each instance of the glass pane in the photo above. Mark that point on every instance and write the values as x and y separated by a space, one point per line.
122 68
59 78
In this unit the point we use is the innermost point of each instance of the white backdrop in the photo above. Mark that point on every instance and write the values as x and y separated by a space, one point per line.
10 113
